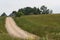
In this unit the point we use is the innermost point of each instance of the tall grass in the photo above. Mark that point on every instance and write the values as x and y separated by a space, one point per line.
2 24
45 26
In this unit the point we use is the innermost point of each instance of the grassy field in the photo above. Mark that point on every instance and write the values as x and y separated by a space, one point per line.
45 26
3 33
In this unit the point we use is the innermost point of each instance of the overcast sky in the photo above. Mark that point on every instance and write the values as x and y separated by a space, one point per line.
9 5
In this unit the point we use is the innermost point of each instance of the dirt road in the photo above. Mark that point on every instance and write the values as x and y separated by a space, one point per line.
16 31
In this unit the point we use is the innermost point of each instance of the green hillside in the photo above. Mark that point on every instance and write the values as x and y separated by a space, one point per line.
3 33
45 26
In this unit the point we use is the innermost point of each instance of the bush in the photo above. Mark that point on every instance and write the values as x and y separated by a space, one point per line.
18 14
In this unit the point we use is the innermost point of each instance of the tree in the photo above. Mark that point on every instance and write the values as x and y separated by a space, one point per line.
51 11
18 14
21 10
4 14
44 9
47 11
36 10
13 13
28 10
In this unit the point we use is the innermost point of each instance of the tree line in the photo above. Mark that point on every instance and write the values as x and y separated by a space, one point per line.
31 11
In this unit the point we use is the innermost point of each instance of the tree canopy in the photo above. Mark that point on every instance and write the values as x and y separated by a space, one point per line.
32 11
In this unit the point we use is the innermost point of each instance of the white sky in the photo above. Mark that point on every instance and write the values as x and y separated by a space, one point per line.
9 5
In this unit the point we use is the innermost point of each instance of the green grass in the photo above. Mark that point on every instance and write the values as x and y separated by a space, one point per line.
45 26
2 24
3 33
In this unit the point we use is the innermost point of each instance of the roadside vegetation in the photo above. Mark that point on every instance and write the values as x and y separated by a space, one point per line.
3 33
45 26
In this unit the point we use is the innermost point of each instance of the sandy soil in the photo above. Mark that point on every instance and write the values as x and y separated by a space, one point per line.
16 31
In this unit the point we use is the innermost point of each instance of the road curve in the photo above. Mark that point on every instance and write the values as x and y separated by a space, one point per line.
16 31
